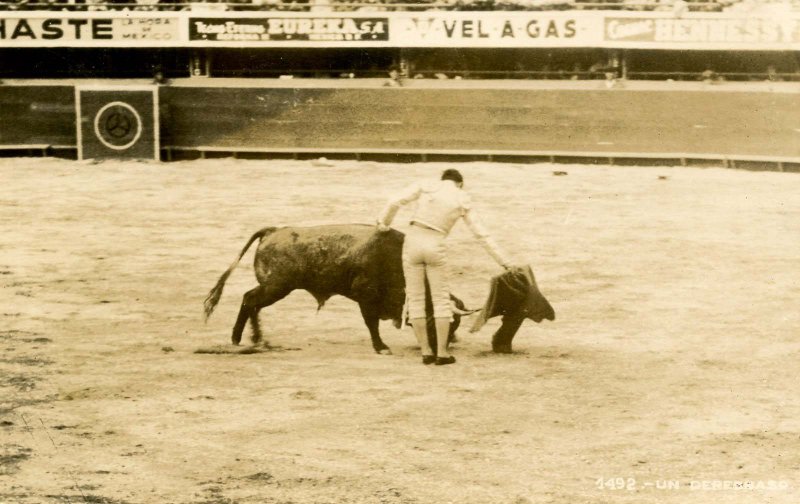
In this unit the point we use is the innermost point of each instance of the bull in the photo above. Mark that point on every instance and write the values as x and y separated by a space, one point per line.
351 260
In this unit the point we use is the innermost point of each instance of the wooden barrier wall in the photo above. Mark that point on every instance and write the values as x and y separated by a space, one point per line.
31 115
592 119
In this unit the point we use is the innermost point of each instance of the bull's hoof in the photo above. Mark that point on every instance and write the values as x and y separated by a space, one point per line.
383 351
505 349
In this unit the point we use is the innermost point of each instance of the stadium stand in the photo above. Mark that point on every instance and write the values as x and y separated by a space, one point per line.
745 6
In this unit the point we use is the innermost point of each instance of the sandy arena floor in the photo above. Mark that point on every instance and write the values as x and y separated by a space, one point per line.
673 359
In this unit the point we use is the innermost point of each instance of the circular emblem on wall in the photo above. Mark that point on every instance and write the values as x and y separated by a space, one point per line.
117 125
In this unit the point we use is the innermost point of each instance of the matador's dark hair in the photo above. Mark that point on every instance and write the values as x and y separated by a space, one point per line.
454 175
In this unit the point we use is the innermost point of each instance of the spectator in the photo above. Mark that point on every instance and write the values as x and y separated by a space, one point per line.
679 8
772 74
370 6
744 6
146 5
611 79
395 79
577 71
266 4
321 6
96 5
60 5
239 4
710 76
159 78
777 8
596 69
208 6
641 5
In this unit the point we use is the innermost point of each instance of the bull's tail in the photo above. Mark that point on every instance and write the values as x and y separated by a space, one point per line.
213 296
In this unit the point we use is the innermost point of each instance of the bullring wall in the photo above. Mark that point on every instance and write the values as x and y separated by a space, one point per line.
474 117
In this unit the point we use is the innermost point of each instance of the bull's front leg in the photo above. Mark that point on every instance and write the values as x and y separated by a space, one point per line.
501 341
372 319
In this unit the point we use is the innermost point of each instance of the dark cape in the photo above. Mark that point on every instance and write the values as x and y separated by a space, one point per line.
514 295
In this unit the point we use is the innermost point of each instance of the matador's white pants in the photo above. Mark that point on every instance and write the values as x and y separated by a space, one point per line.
425 254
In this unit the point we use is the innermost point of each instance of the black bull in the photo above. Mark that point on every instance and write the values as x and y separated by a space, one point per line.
350 260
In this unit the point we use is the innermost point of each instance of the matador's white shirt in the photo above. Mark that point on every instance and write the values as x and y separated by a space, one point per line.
439 206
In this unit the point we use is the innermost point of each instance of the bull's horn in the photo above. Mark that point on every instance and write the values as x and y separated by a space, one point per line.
461 312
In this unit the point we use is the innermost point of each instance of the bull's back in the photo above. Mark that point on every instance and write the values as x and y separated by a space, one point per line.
288 236
324 257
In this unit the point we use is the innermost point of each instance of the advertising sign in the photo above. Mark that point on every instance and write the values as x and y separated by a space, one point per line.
751 32
117 123
427 29
495 29
81 30
312 29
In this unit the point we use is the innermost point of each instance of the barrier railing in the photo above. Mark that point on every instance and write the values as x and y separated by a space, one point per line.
773 163
716 77
449 73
